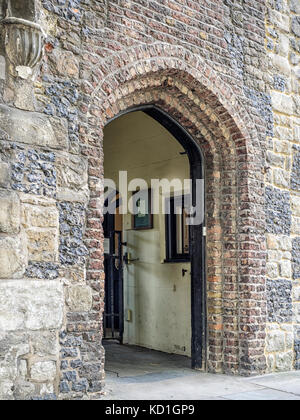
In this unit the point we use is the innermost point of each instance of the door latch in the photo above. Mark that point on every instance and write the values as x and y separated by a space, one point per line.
128 259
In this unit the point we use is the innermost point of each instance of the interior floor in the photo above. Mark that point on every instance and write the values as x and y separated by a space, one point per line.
137 363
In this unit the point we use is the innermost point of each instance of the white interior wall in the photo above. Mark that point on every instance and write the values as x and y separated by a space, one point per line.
156 293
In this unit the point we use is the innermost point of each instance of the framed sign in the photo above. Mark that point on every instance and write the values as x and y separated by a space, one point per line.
143 218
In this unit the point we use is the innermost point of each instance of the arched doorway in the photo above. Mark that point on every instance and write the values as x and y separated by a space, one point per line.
194 94
185 254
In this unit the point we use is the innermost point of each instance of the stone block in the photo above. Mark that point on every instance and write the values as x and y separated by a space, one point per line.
283 133
42 245
296 226
297 312
287 255
272 242
284 45
296 25
4 174
2 68
72 179
47 392
296 100
271 362
13 257
281 64
44 343
289 341
274 256
282 146
72 172
282 103
43 217
66 63
285 269
79 298
279 20
43 371
296 293
9 212
31 305
287 328
22 369
275 159
23 389
272 270
296 134
23 98
275 341
295 6
286 243
284 361
65 194
281 178
74 276
6 390
14 346
295 204
33 128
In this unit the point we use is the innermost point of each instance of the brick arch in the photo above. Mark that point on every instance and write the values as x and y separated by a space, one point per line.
194 95
139 61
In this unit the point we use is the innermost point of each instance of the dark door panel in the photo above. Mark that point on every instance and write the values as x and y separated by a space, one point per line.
113 319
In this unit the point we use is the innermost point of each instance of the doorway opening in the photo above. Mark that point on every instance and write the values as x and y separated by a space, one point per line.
155 290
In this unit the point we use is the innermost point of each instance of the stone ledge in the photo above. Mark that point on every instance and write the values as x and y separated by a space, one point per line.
13 257
9 213
33 128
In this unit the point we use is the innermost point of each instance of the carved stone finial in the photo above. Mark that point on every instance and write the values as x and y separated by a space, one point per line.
23 39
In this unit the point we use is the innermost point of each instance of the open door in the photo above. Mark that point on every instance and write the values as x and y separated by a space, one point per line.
113 319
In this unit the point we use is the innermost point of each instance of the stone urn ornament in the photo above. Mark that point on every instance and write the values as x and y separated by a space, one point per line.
23 42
